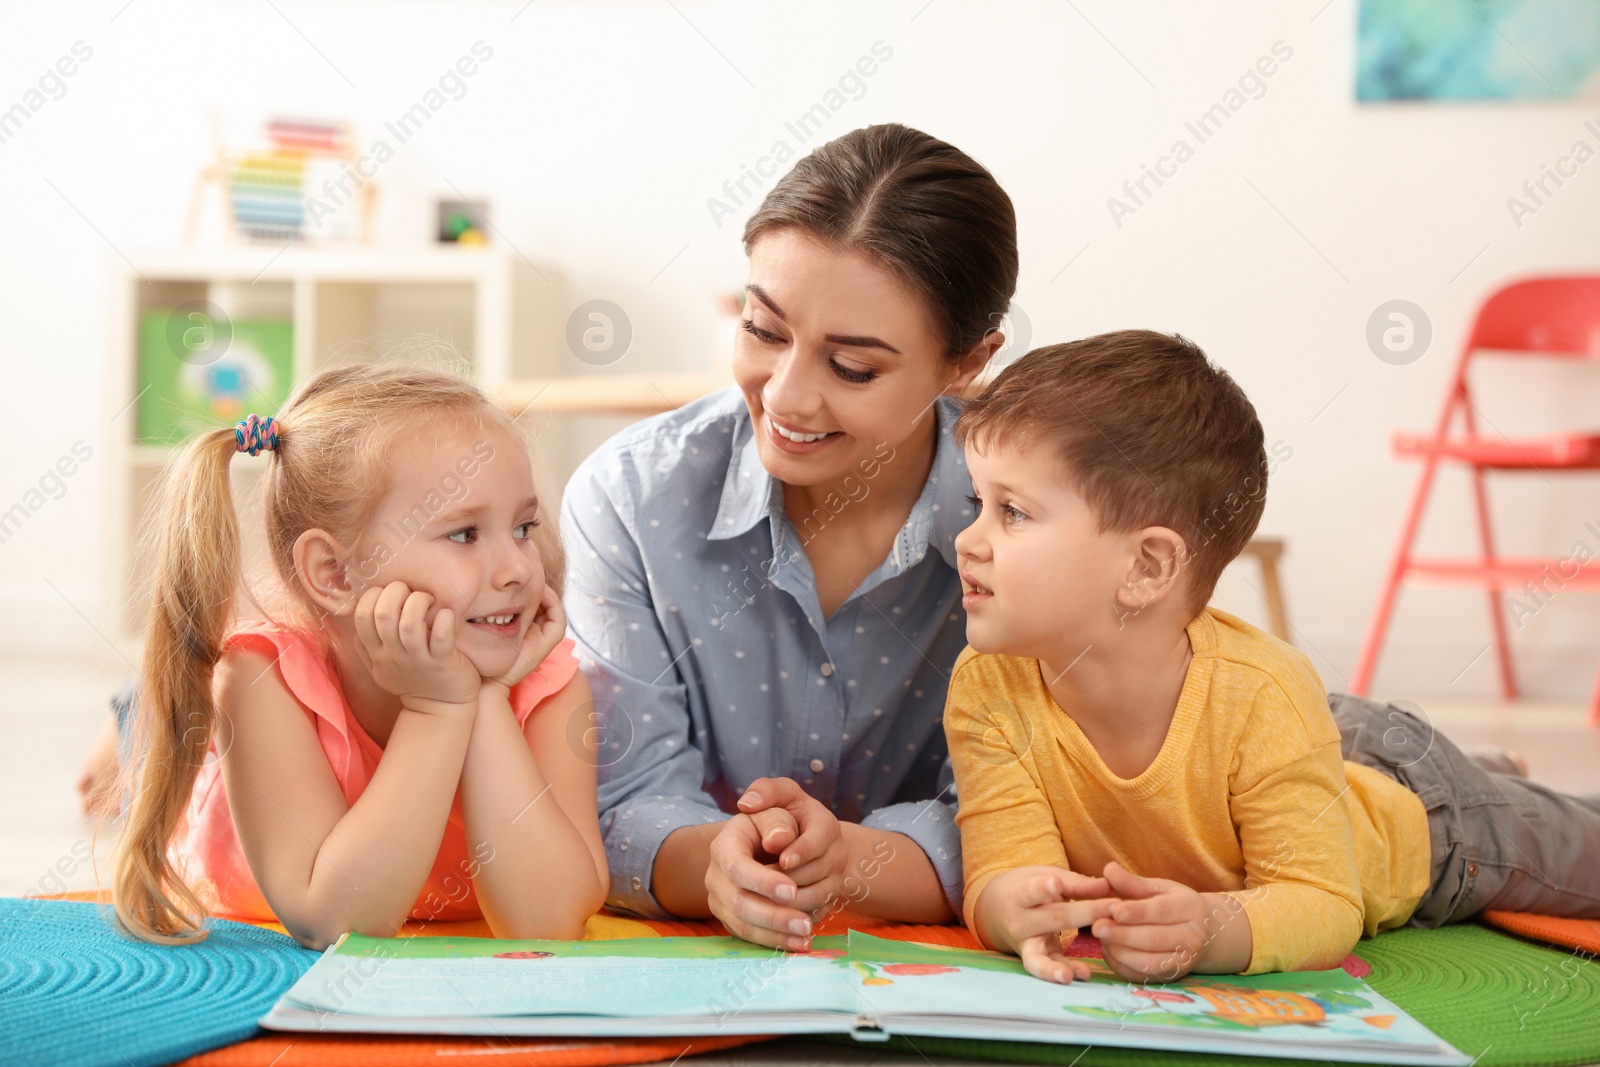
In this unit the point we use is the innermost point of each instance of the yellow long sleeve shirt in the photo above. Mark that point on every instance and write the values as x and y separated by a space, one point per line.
1248 796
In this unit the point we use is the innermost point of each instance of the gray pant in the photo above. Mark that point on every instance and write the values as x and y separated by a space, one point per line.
1496 840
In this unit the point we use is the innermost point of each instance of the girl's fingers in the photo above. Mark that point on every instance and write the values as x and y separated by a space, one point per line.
366 625
413 625
442 640
386 613
553 614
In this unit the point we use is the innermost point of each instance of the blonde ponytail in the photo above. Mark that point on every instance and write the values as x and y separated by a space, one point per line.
197 575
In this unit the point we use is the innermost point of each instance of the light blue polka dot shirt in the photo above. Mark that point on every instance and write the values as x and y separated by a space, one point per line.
697 622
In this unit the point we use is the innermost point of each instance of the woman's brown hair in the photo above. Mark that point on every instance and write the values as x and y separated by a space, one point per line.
923 208
328 471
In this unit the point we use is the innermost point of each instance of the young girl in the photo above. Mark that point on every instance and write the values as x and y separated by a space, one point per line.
406 736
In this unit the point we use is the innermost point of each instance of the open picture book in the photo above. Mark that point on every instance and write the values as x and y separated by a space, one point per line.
857 984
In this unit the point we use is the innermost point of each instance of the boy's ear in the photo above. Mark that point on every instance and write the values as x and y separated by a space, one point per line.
1155 570
319 561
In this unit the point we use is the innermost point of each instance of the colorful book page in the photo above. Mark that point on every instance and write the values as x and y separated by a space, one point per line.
867 986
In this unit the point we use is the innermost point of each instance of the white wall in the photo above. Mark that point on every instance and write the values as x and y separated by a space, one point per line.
599 131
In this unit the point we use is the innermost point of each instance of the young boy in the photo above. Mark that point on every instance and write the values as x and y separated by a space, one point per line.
1130 760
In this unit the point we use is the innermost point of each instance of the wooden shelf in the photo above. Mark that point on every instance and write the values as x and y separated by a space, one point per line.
610 394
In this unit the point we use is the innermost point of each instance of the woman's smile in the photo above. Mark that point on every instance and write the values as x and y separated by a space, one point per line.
798 442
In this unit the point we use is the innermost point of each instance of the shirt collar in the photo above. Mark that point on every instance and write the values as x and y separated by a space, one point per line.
942 510
750 494
748 491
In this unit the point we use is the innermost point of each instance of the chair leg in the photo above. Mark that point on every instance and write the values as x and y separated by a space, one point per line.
1497 617
1367 661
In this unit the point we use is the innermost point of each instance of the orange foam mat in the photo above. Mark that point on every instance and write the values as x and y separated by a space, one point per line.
298 1050
1581 934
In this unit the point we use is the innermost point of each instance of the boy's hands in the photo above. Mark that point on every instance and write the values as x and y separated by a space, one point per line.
544 633
1161 930
417 663
1029 911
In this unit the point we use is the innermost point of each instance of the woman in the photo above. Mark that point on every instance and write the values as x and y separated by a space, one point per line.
762 583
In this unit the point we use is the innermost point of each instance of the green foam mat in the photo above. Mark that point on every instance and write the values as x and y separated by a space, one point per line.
1508 1002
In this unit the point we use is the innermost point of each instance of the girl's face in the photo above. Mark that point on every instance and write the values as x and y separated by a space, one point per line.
836 358
457 522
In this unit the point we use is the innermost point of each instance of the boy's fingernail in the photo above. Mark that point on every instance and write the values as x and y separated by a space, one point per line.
799 926
785 892
749 798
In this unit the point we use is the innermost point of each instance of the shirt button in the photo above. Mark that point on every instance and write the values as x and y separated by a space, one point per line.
827 670
637 885
1472 870
817 765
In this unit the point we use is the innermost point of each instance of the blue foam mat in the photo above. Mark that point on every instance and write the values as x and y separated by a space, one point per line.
75 992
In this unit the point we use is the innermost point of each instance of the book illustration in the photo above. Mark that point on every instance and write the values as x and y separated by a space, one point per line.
1325 1001
858 984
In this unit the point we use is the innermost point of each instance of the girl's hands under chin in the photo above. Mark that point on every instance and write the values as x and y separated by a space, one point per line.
545 631
416 662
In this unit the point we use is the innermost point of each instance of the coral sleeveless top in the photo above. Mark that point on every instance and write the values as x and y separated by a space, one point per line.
209 852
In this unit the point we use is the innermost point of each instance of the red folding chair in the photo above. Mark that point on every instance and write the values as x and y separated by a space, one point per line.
1553 318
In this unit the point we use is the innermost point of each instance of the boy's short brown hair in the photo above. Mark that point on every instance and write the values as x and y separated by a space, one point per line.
1150 432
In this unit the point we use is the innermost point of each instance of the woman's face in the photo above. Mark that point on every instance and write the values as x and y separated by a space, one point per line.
836 359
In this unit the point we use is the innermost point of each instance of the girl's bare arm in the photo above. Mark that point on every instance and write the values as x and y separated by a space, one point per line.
532 817
324 866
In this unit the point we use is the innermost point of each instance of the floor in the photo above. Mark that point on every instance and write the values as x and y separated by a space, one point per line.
49 712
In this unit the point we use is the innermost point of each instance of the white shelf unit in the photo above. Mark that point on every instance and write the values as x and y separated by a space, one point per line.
506 317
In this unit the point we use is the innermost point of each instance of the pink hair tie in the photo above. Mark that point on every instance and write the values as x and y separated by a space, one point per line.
256 433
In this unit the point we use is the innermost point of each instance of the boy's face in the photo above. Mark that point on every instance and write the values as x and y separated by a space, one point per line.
1038 578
